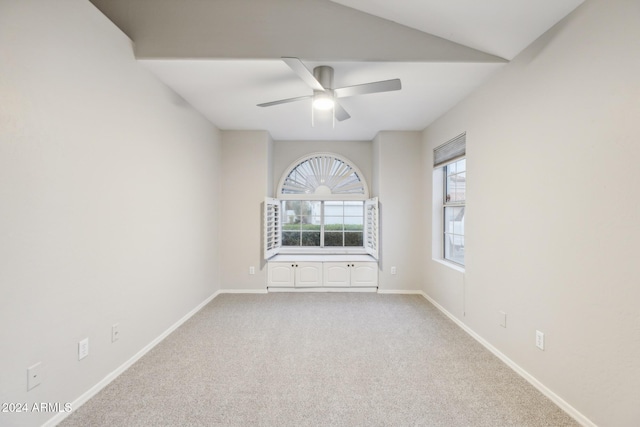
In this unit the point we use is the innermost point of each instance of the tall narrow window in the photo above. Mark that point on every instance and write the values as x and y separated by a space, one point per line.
450 180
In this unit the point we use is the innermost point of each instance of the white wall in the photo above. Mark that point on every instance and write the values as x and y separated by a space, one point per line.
109 189
246 181
399 185
552 211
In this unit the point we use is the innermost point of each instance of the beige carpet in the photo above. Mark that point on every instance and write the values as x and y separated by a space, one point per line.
319 359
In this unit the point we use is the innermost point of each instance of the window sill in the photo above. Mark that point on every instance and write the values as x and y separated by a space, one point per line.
322 258
322 251
451 265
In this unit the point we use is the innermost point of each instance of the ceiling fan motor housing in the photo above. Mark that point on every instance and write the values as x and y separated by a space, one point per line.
324 76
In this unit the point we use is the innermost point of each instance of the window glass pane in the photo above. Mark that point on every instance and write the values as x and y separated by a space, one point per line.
448 218
353 239
455 184
355 224
332 238
333 223
354 208
289 214
447 247
458 221
451 168
449 187
310 222
290 238
461 184
291 227
461 165
309 208
292 207
454 248
333 219
332 208
310 227
315 208
311 238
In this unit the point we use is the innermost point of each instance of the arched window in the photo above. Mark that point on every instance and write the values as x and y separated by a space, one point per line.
322 205
322 176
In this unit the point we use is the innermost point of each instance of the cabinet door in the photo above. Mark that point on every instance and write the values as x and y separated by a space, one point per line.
364 274
280 274
308 274
337 274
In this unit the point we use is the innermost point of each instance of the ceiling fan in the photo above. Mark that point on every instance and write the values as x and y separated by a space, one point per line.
324 94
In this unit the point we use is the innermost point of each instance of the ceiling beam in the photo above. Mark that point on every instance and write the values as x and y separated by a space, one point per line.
317 30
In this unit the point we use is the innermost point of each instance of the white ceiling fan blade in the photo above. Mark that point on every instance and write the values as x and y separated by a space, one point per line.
307 76
340 113
284 101
363 89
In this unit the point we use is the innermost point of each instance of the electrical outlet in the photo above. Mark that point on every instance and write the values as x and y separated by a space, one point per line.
83 348
34 375
115 332
394 270
252 270
540 340
502 316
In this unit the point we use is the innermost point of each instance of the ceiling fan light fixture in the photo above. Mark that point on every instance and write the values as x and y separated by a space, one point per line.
323 101
324 94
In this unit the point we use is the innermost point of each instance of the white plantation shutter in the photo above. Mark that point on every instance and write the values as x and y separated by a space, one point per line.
272 227
371 227
322 176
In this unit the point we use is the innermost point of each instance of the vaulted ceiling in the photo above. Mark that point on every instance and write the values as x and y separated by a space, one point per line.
223 56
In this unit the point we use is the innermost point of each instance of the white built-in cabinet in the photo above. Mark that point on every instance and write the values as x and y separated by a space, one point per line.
356 268
327 274
294 274
351 274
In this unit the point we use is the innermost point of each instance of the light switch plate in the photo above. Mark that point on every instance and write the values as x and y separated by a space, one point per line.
115 332
34 375
540 340
83 348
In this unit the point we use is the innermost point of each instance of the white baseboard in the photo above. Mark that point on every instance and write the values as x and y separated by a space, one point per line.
573 412
400 292
243 291
113 375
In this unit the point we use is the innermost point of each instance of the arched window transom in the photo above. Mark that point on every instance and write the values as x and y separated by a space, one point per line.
323 176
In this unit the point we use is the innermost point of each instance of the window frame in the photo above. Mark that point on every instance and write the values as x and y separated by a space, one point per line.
272 232
450 152
323 225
